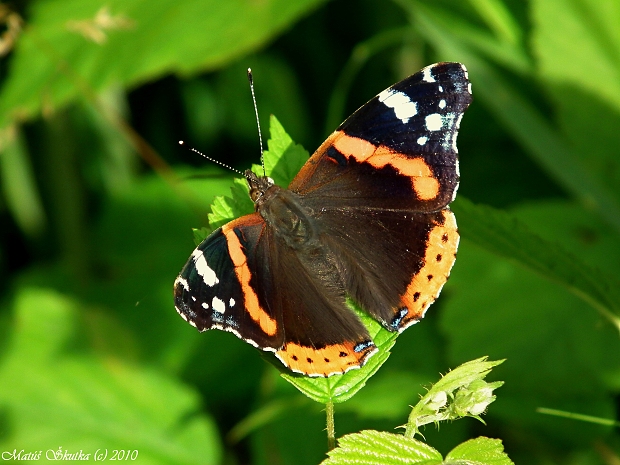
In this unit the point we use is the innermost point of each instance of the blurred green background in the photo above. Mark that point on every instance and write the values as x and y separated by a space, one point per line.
98 200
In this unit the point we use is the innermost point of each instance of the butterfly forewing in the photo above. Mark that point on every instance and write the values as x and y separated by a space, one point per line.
424 112
217 287
403 141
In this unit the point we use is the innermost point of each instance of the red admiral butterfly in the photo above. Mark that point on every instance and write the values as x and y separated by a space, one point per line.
366 217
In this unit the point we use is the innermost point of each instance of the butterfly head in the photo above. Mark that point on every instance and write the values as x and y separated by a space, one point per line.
258 185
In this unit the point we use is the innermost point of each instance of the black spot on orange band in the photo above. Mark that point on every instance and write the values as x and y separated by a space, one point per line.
327 361
426 285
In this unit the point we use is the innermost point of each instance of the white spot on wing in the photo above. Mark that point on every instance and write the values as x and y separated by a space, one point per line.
465 72
218 305
426 74
442 104
434 122
400 102
205 305
231 303
231 329
458 120
454 143
422 140
440 88
183 282
202 267
449 121
456 188
249 341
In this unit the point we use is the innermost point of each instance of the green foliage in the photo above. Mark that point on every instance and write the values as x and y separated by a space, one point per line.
478 451
389 449
91 350
381 448
506 236
462 392
284 158
122 408
82 47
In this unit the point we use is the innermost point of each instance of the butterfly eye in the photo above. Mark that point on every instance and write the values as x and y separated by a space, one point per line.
256 194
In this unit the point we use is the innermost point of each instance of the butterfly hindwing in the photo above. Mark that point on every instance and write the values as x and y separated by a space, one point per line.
323 336
396 262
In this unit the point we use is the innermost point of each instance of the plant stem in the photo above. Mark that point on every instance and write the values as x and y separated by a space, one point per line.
578 416
331 431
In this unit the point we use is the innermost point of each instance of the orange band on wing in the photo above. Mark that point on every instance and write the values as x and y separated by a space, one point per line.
355 147
426 285
425 184
267 324
330 360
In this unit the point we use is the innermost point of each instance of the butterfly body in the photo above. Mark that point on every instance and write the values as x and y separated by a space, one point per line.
366 217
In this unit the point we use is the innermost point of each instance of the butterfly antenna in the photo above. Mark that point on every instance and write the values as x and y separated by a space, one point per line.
212 159
260 136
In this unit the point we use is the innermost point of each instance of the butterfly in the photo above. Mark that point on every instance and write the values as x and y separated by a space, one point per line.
366 218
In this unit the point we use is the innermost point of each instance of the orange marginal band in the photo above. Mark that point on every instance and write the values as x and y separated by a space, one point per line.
426 285
332 359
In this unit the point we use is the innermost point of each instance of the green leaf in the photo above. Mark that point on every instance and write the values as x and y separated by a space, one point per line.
78 47
456 38
479 451
18 183
284 158
578 43
200 235
282 161
498 18
521 118
225 209
380 448
581 75
56 398
503 234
